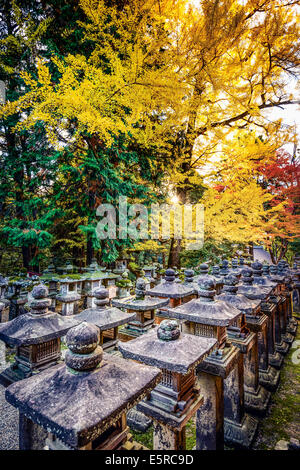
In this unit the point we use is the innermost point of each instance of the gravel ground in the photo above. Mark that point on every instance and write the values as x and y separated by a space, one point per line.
9 420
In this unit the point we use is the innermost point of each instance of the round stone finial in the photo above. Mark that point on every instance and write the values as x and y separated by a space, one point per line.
204 268
207 289
224 267
84 354
189 275
257 268
40 292
170 275
266 269
216 270
168 330
101 297
247 276
273 269
230 284
140 288
40 303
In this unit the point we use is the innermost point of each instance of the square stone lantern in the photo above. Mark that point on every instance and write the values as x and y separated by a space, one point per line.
94 282
109 281
107 319
68 296
17 296
37 337
220 375
176 399
83 403
143 306
245 337
265 327
149 274
178 293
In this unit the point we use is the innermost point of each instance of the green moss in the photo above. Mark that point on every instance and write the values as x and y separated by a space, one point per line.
10 357
63 346
70 276
281 423
191 434
144 438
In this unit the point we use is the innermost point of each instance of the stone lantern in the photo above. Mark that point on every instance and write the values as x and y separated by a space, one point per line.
107 319
220 375
37 337
17 296
94 282
149 274
68 296
82 404
176 399
143 307
256 397
176 292
268 376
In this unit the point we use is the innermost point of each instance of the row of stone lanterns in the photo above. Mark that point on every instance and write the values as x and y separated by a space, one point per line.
222 350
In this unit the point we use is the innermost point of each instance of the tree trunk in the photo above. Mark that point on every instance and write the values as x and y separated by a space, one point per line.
89 250
26 256
174 258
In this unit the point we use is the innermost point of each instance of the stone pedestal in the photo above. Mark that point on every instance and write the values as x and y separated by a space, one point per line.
31 435
239 427
211 374
210 417
275 358
268 375
280 346
256 396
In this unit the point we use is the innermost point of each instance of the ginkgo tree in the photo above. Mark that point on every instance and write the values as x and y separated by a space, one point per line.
181 79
